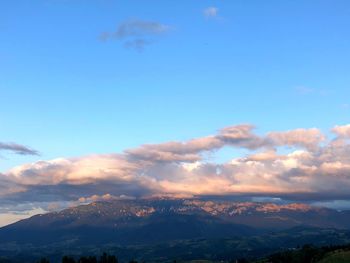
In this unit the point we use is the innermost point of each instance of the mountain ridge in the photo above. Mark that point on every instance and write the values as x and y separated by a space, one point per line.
164 219
160 228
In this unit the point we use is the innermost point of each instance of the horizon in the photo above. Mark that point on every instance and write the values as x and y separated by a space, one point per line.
199 98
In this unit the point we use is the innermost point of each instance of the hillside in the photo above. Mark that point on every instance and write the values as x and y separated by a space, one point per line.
166 229
149 221
336 257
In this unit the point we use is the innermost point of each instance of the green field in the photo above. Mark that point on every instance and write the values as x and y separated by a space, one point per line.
337 257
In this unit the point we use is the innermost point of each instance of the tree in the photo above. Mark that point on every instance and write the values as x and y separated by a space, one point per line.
67 259
112 259
105 258
90 259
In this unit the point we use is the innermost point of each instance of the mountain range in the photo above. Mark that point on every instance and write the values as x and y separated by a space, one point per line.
136 225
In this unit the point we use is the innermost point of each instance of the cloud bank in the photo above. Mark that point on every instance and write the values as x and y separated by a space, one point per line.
300 164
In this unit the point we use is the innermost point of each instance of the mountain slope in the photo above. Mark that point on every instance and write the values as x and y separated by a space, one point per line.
143 221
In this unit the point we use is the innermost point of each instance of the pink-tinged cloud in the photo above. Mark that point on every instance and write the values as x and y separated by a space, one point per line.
342 131
308 138
314 166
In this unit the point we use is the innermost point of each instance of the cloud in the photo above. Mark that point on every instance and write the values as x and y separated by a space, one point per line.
242 136
138 28
308 138
345 106
137 44
211 12
136 34
263 156
303 90
17 149
239 136
295 164
105 197
175 151
342 131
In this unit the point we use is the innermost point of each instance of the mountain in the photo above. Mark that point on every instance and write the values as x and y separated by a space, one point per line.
143 221
157 229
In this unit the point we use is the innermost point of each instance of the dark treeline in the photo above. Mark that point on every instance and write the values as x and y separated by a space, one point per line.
306 254
104 258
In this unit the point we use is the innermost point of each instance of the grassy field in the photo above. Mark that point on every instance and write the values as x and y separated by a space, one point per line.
337 257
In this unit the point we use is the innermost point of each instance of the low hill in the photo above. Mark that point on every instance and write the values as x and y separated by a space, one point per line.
339 256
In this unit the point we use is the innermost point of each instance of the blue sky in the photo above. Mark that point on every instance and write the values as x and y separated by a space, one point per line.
63 91
279 65
67 92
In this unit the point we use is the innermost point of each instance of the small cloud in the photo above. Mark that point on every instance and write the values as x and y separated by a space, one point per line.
138 28
303 90
105 197
136 34
211 12
345 106
137 44
17 149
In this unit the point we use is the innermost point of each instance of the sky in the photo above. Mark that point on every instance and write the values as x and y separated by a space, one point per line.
105 99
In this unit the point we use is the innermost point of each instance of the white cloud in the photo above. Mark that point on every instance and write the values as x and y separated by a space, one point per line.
210 11
105 197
